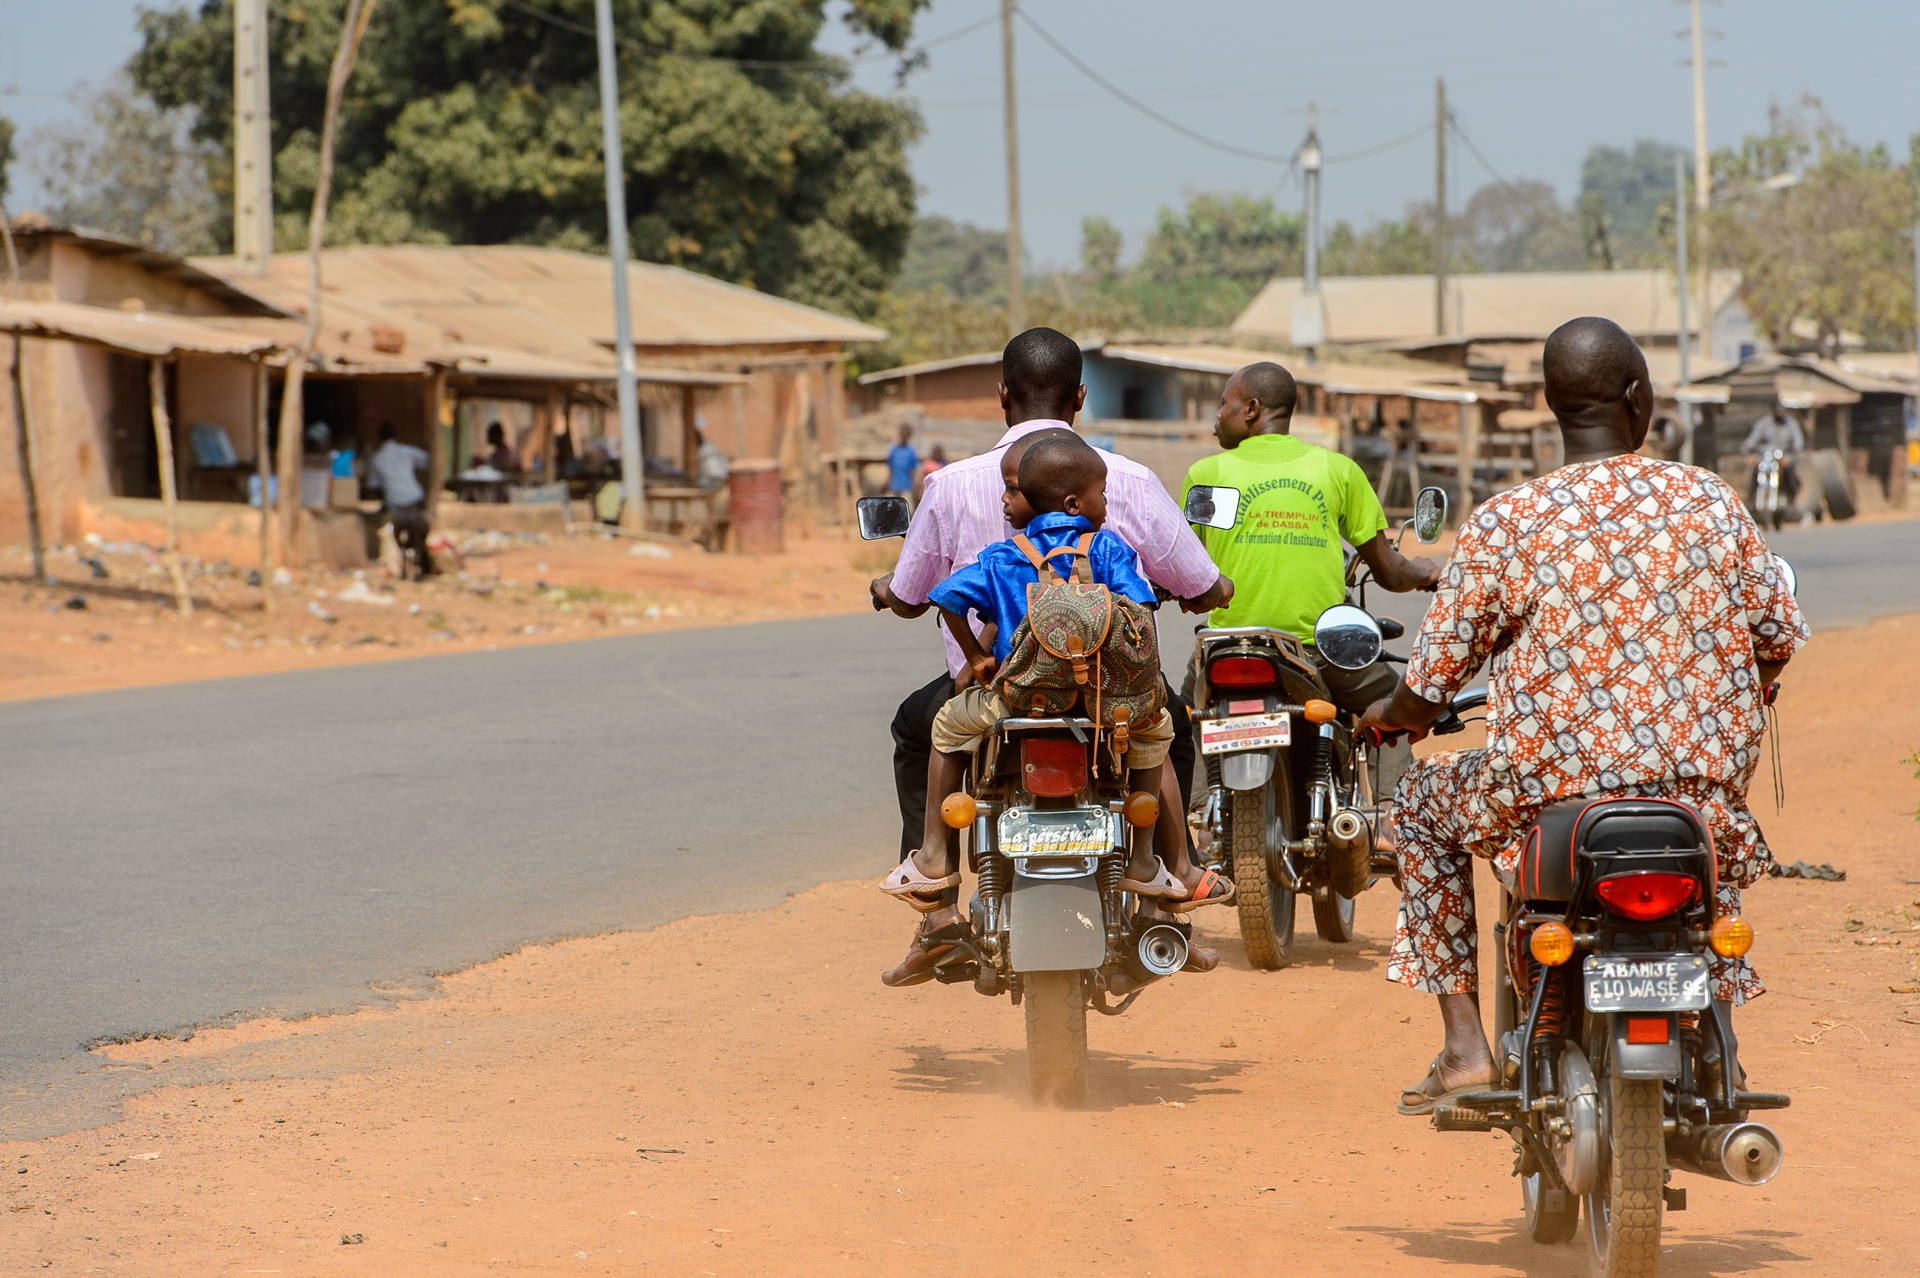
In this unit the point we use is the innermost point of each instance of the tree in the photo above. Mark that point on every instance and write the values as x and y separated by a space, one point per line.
747 154
1630 184
1832 247
1100 245
962 259
122 165
1520 226
6 154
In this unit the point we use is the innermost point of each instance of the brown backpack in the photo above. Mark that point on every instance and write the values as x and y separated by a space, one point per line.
1082 644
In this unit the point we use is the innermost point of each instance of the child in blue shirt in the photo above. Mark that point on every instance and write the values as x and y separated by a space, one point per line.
1063 481
902 461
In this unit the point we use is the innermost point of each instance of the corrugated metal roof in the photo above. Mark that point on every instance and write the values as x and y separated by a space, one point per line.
1490 306
930 366
145 333
547 300
31 226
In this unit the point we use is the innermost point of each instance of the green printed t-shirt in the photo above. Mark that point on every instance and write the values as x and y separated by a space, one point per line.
1297 503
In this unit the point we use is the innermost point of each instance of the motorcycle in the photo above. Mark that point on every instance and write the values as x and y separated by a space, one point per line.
1045 822
1619 1067
1769 507
1288 785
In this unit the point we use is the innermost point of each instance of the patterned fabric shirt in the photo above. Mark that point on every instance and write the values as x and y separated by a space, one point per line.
1621 607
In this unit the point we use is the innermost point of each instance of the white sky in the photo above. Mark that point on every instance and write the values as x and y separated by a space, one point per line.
1533 83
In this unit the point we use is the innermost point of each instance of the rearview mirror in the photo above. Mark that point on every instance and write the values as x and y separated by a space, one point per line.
1787 574
1212 507
1429 514
883 517
1348 637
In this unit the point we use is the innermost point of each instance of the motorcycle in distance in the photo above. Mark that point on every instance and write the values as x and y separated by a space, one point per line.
1769 507
1618 1067
1045 822
1286 780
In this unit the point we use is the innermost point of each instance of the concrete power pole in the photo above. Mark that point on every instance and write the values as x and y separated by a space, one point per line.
252 139
1702 178
1680 281
1016 285
1440 208
1309 317
633 511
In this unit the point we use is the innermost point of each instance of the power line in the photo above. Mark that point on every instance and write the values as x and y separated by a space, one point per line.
1453 123
1370 151
746 64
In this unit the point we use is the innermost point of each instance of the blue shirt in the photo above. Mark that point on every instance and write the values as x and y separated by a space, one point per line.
995 584
901 461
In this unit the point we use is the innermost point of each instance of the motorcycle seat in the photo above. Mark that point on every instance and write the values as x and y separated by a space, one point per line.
1547 867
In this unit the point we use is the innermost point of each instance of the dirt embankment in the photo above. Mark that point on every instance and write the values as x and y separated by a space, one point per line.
738 1095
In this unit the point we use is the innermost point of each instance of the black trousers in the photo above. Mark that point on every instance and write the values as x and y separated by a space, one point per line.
913 742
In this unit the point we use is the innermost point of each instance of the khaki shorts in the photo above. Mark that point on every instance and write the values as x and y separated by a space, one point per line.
966 719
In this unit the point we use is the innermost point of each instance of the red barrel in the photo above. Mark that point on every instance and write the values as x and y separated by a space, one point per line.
753 488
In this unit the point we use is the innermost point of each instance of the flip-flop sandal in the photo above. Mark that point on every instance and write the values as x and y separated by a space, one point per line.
1163 886
1213 888
936 945
905 882
1434 1090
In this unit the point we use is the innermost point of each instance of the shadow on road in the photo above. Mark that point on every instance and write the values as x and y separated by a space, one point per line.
1501 1248
1114 1081
1309 951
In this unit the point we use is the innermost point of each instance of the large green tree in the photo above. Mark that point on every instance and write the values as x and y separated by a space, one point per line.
960 258
747 154
6 154
1624 190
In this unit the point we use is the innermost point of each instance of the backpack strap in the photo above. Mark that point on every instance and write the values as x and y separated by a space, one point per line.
1032 553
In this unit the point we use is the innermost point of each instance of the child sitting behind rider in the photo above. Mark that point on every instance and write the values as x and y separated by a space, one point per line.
1056 492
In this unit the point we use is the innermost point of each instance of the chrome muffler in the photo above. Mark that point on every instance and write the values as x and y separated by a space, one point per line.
1160 951
1349 832
1744 1153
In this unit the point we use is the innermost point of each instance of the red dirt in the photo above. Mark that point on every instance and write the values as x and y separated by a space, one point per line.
738 1095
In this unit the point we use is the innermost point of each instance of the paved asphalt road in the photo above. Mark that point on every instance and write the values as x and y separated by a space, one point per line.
296 843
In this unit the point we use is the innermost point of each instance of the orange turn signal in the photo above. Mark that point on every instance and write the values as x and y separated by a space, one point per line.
1320 711
1142 809
1730 936
958 810
1551 943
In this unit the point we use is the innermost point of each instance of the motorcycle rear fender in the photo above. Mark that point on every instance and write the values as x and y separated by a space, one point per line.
1055 924
1248 770
1644 1060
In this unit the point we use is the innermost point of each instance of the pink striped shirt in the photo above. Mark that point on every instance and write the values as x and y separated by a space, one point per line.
960 515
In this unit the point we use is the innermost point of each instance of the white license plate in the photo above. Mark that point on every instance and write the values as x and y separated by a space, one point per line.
1665 983
1245 732
1075 832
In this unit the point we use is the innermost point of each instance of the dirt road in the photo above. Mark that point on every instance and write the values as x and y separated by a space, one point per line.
738 1095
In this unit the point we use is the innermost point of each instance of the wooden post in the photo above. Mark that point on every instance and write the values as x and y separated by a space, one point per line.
163 436
739 421
436 438
22 431
689 433
263 469
1469 449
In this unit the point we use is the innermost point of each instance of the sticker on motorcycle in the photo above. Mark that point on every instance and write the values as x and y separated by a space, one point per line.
1078 832
1245 732
1659 983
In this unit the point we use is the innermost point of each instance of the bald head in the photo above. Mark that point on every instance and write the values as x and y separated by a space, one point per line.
1596 381
1271 384
1257 400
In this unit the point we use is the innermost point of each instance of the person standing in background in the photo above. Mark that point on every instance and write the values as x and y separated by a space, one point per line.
902 462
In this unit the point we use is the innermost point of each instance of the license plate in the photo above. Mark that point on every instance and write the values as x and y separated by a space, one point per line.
1245 732
1663 983
1075 832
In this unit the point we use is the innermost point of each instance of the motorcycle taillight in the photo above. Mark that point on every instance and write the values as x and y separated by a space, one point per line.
1053 767
1646 895
1241 672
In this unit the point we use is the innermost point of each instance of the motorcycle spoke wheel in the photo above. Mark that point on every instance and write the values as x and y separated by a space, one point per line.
1266 907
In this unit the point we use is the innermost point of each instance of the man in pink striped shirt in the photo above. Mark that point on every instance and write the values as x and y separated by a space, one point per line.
960 514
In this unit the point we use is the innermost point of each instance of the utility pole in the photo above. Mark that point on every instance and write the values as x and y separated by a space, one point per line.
1309 318
633 511
1016 285
252 140
1702 177
1680 281
1440 208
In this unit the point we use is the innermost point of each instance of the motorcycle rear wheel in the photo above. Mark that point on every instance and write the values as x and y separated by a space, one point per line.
1332 915
1624 1209
1056 1008
1266 907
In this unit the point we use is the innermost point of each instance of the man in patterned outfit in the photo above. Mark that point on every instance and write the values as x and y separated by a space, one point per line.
1631 618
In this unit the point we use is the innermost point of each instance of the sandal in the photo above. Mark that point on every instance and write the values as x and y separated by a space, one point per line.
1214 888
1163 886
906 883
1433 1090
928 951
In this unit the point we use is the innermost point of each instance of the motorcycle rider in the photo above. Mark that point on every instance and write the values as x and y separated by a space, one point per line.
1631 620
1778 429
961 513
1298 502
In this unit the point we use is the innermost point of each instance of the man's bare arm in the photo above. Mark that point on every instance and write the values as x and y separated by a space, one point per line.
1395 571
1403 712
1770 671
881 591
1218 595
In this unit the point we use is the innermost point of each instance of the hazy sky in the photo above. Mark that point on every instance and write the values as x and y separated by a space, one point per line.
1532 82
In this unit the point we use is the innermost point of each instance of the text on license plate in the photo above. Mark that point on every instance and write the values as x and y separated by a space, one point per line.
1077 832
1662 983
1245 732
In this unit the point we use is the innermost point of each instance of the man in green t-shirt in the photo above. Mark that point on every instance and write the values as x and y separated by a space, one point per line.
1298 503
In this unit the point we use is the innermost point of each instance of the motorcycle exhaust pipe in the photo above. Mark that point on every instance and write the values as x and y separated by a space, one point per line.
1350 832
1160 951
1744 1153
